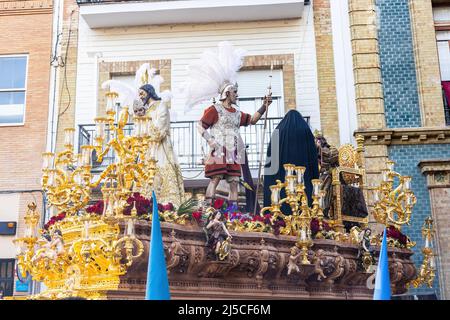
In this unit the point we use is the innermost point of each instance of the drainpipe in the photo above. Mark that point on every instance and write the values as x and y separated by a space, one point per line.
52 127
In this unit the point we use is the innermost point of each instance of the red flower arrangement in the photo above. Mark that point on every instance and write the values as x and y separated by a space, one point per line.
315 226
394 233
258 218
277 225
143 205
168 207
96 208
218 203
197 215
54 219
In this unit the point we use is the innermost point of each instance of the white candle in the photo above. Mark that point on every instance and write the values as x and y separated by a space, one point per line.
408 199
427 242
390 165
407 183
110 101
275 197
385 175
86 152
47 160
300 172
86 229
291 184
321 202
130 227
302 235
376 196
69 136
432 262
316 186
289 169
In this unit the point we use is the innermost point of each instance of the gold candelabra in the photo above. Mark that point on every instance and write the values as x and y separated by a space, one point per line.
83 254
427 270
67 177
299 222
393 206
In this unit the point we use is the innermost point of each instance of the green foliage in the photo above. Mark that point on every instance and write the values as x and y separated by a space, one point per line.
188 207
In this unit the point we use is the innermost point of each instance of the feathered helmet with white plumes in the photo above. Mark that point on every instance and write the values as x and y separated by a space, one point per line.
145 77
213 74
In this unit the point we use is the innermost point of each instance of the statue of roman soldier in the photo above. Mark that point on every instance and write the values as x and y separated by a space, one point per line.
227 154
214 75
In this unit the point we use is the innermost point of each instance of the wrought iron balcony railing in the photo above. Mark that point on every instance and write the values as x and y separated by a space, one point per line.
446 109
189 147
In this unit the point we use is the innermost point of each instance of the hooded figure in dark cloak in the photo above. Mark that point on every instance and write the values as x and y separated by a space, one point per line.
296 146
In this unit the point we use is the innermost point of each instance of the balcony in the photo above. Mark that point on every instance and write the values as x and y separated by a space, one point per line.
110 13
189 147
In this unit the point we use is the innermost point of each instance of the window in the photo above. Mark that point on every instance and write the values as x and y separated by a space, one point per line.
129 80
444 59
253 87
6 277
443 45
12 89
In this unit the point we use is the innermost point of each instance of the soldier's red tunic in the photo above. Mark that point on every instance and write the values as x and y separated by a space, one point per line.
217 165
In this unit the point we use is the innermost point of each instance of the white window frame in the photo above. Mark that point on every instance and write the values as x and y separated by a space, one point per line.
25 89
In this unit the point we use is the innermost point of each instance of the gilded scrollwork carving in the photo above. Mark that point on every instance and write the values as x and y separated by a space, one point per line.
197 259
350 267
339 269
220 268
250 262
395 269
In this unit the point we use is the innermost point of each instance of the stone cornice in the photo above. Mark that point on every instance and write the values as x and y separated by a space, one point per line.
437 172
27 7
435 165
405 136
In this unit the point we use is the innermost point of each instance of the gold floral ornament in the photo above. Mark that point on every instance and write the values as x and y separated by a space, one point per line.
348 158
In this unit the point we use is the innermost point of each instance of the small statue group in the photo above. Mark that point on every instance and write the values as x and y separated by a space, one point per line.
365 252
317 261
293 258
51 246
218 238
328 159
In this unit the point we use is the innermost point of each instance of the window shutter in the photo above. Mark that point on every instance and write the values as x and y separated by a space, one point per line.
254 83
444 59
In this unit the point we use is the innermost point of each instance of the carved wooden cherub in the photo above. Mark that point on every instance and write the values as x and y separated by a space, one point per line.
293 258
177 254
318 263
51 247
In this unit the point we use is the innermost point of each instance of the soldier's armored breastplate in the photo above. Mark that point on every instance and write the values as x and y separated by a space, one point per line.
226 130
